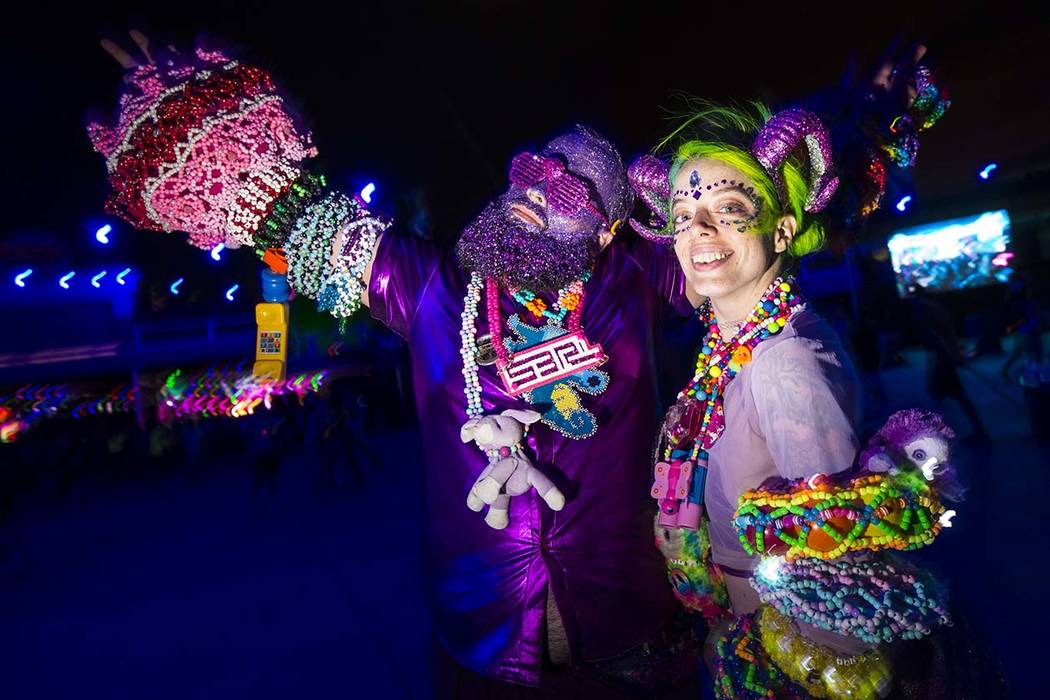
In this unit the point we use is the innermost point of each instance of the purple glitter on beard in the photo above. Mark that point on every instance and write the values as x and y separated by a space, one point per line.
497 244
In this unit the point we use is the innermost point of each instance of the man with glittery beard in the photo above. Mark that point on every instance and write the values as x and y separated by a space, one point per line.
582 587
532 340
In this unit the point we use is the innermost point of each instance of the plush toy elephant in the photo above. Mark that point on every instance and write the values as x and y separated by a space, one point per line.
509 471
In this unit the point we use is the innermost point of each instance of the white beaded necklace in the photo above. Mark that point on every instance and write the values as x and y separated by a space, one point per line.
468 329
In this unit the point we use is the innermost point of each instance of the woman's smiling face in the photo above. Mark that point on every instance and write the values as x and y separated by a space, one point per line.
716 216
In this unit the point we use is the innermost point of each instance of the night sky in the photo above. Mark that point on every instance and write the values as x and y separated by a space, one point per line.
439 97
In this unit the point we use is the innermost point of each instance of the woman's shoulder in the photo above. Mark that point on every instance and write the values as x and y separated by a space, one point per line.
806 341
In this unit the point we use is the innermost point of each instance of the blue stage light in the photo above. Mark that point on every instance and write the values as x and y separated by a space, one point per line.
102 234
367 192
904 202
230 291
63 281
122 274
20 278
175 286
217 251
987 171
95 280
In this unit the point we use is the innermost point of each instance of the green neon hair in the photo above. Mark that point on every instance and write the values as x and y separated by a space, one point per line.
725 133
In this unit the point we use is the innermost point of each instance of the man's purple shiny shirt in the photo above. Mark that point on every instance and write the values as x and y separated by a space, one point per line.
486 587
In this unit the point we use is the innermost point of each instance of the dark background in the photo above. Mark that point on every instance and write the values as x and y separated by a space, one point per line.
258 557
440 95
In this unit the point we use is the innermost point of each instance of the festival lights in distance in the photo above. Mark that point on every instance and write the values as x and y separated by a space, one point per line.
63 281
217 251
230 292
122 274
986 172
367 192
97 278
903 203
20 279
175 286
102 234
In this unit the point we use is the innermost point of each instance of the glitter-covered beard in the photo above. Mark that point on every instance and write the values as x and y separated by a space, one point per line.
498 244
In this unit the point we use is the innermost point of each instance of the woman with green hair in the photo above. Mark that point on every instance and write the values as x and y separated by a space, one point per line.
774 393
768 519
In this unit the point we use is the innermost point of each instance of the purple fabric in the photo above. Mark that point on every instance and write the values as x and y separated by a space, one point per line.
791 412
487 587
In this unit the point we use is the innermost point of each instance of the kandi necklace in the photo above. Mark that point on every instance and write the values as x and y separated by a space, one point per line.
548 365
697 419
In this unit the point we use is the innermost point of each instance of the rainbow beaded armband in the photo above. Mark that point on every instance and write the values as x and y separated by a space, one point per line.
882 599
825 518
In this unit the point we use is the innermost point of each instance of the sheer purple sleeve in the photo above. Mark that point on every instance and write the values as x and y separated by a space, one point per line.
401 270
806 402
660 265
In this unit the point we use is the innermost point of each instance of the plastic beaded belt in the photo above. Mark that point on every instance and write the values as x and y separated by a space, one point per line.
819 670
824 518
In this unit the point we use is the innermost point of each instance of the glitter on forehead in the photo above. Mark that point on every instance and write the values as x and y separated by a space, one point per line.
694 179
590 156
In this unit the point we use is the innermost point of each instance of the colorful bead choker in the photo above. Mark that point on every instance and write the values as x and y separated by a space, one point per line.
701 416
569 298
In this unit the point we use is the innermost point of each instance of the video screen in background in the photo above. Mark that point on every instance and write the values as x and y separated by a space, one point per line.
954 254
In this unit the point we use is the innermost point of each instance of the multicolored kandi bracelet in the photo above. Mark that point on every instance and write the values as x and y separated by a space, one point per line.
824 517
876 598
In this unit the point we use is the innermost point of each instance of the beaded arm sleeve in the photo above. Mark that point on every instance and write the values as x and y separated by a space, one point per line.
205 145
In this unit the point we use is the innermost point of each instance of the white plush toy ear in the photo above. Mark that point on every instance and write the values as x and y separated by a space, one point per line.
879 462
466 433
525 417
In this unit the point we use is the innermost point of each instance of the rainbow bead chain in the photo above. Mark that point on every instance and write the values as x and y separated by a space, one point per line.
569 298
743 669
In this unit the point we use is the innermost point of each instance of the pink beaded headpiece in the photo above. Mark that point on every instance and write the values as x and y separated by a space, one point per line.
198 146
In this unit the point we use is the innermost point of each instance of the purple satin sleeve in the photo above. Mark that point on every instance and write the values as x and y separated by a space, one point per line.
660 266
401 270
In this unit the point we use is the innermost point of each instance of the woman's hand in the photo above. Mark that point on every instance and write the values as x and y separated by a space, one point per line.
896 75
